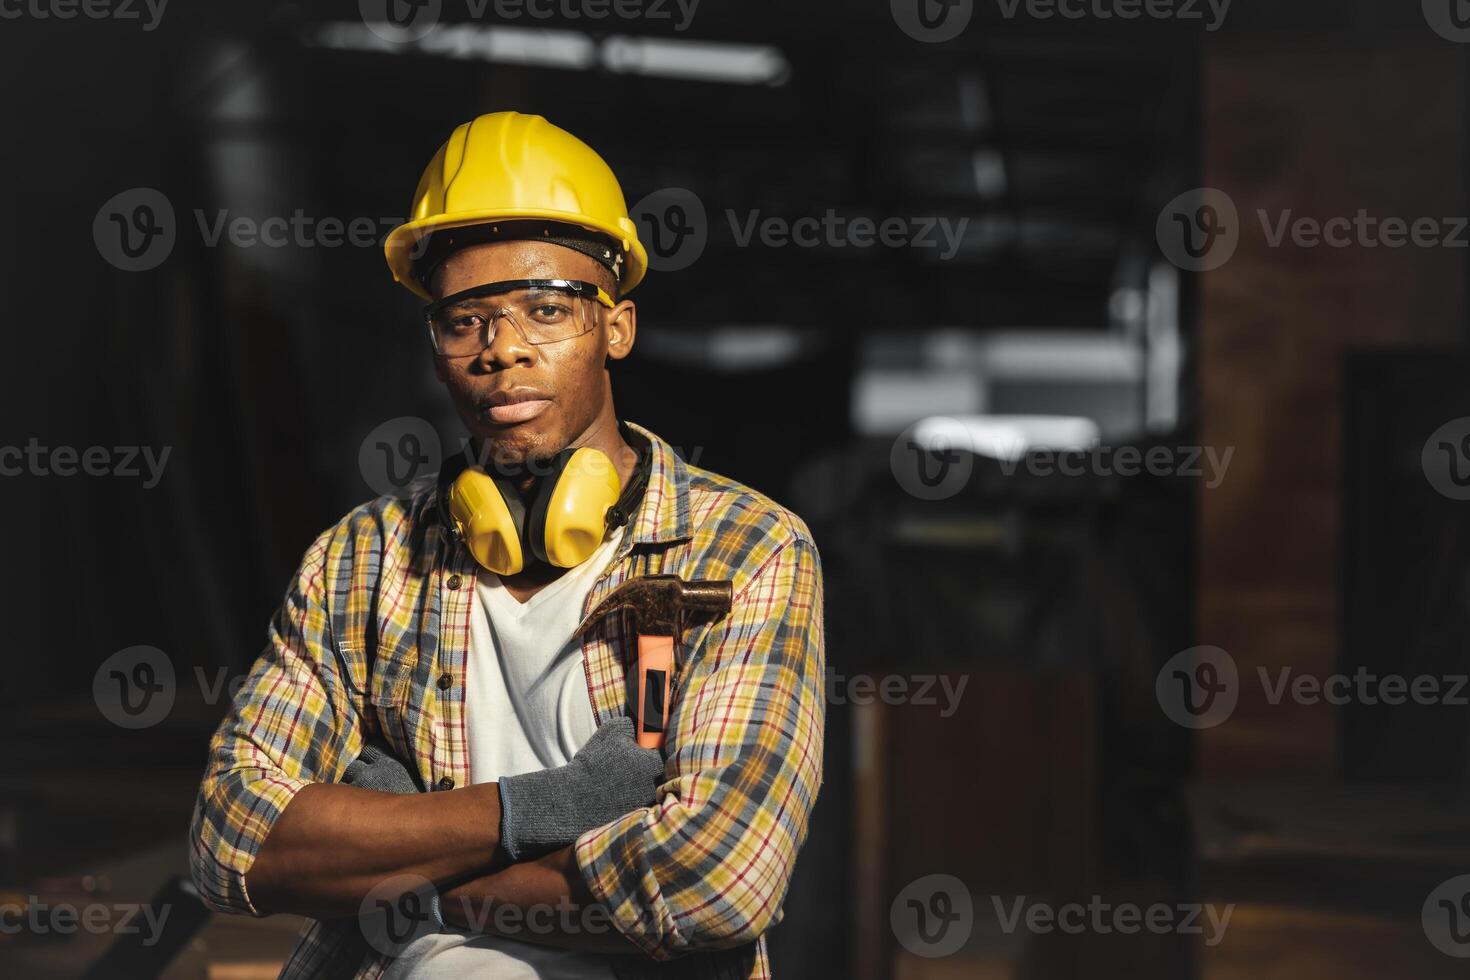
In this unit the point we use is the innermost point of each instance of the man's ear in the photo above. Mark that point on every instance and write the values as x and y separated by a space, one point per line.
622 327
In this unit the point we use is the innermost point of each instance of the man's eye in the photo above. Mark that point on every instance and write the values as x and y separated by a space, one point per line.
547 312
463 323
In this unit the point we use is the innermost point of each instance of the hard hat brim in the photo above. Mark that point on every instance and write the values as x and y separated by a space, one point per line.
400 245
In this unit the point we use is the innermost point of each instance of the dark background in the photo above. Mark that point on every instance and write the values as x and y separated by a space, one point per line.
1325 548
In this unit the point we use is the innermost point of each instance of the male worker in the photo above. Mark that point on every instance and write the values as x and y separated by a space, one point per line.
428 642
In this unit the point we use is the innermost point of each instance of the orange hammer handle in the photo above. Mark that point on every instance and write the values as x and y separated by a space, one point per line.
655 674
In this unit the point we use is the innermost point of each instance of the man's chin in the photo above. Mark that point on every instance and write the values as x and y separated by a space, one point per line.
514 446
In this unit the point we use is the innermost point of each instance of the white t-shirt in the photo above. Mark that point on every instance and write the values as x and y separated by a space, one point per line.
526 709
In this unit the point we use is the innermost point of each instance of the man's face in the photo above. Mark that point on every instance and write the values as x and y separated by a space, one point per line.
567 381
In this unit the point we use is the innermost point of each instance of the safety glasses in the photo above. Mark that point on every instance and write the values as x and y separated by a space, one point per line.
543 311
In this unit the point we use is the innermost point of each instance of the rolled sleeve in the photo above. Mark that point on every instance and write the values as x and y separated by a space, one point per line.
708 866
291 724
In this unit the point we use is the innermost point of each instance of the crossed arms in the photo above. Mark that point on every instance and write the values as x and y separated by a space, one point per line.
705 867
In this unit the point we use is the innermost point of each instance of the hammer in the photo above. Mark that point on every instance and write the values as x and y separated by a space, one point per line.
659 604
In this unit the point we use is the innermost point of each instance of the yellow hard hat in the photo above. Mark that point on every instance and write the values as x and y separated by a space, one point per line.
505 166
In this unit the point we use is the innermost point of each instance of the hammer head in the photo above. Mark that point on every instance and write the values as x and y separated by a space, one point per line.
660 603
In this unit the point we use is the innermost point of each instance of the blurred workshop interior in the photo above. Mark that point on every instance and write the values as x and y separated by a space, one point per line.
1034 608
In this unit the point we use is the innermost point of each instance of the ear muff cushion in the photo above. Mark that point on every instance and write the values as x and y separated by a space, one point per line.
569 518
489 520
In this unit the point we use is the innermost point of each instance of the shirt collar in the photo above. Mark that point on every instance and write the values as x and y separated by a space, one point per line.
663 513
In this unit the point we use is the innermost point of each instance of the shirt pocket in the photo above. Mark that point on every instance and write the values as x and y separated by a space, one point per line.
379 681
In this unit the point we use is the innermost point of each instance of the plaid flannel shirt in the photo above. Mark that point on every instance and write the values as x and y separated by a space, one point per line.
380 612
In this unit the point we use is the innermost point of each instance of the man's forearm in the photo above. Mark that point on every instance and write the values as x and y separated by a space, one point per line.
334 843
545 902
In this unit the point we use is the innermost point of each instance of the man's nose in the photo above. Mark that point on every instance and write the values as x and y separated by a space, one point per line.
507 344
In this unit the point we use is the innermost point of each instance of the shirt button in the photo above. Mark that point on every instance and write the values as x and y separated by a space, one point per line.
446 783
454 582
446 681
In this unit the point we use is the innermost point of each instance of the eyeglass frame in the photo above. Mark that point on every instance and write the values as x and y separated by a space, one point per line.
580 288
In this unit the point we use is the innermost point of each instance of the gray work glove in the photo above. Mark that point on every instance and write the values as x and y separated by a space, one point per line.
378 768
608 777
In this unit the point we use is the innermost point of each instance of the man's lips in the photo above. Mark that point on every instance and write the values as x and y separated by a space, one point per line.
515 404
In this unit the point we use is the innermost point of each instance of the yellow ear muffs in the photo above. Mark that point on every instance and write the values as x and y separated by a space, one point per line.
569 515
488 518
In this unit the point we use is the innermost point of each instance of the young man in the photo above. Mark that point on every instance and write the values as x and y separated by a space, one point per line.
428 641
